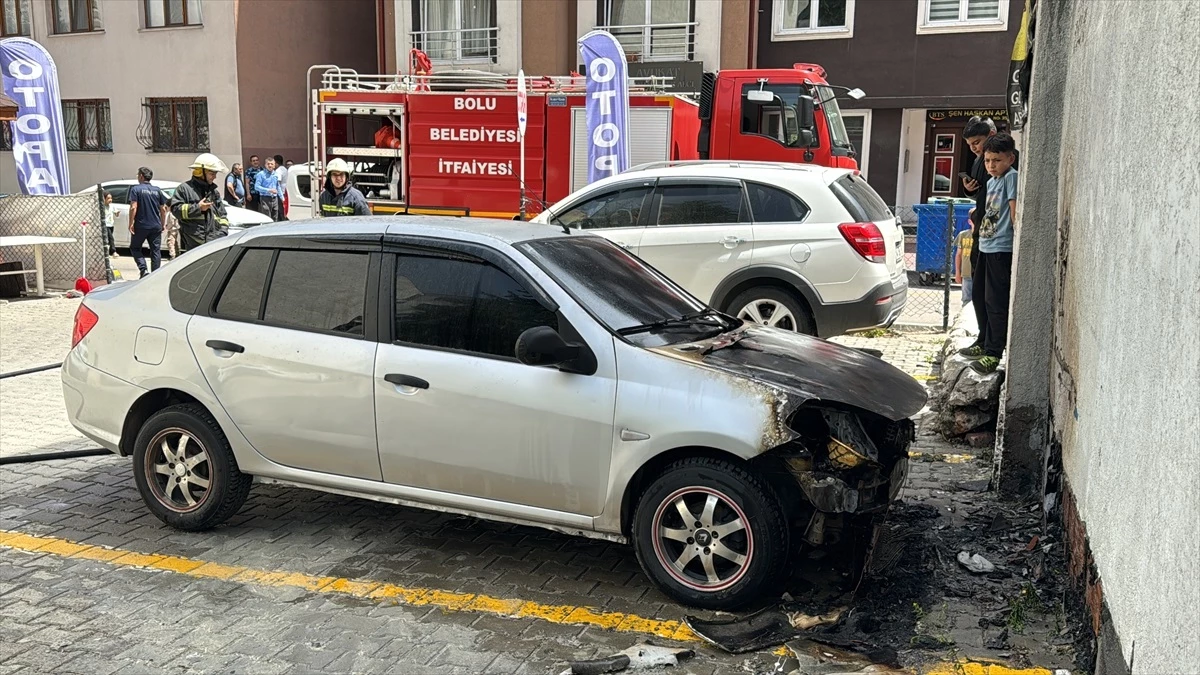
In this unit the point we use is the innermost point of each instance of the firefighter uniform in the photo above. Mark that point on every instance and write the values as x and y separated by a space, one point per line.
197 226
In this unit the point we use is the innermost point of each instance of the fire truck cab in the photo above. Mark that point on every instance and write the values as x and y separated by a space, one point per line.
447 143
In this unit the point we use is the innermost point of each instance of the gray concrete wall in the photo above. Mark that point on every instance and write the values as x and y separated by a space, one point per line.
1125 365
1024 403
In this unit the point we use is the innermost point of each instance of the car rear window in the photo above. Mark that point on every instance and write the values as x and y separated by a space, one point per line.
242 295
323 291
188 285
772 205
700 204
860 199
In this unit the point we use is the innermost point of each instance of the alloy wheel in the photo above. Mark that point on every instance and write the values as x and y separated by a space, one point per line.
179 470
768 313
702 539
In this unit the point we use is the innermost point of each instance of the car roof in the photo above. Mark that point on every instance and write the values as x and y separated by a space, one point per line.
744 169
479 230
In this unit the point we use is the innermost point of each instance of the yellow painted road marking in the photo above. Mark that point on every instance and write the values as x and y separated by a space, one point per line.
447 601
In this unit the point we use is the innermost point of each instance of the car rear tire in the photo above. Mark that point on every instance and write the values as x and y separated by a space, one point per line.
710 534
771 306
185 469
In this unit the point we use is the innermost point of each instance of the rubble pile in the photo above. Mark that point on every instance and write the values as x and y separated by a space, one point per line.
965 404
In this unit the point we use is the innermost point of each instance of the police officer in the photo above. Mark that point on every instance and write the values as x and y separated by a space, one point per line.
340 198
197 204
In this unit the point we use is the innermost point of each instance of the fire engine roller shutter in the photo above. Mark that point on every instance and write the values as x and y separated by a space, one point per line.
649 140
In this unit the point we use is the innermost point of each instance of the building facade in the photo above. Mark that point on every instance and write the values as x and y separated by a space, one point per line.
155 82
926 66
676 38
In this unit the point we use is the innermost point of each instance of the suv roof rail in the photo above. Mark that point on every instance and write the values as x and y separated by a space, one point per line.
730 163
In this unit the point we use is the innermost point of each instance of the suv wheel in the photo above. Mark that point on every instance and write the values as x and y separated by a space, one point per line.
710 534
774 307
185 470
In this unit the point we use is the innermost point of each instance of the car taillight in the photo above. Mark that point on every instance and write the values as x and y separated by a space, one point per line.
866 239
85 321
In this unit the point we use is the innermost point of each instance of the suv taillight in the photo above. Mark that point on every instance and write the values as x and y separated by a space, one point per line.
85 321
866 239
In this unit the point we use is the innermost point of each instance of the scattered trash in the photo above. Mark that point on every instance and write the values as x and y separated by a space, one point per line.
999 524
1049 503
802 621
73 294
975 563
1032 543
637 657
765 628
999 642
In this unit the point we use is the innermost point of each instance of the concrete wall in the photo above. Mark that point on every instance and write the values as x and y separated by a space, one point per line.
736 32
1124 374
548 38
277 41
126 63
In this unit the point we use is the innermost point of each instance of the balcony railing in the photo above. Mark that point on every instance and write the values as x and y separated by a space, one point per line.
465 45
656 42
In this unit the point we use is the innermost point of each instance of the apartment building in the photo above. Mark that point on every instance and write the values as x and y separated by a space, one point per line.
677 38
926 66
155 82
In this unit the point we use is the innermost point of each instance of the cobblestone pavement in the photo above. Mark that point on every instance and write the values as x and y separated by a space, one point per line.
466 595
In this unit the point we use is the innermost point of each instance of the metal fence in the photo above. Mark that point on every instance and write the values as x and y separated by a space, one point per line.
930 231
55 216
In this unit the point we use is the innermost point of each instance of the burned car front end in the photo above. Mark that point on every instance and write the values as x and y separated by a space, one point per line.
839 423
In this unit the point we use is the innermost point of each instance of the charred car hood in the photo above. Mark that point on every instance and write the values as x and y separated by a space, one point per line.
809 368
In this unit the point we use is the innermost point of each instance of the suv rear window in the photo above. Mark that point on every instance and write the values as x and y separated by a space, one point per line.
860 199
772 205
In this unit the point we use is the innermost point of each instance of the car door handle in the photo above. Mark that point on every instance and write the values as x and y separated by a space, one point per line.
731 241
406 381
224 346
622 244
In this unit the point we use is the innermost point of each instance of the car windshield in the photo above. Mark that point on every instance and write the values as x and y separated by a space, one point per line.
622 292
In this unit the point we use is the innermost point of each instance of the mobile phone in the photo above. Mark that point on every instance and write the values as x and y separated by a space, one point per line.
965 176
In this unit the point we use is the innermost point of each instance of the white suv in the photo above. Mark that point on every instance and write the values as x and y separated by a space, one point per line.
799 247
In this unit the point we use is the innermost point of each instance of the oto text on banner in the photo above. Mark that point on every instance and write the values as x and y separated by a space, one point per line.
39 137
607 104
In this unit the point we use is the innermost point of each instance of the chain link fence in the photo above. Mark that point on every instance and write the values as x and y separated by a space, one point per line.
930 252
54 216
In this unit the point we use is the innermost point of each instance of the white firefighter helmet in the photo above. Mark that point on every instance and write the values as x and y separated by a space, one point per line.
209 162
338 165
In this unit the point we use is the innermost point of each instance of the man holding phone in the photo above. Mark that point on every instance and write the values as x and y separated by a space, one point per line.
197 204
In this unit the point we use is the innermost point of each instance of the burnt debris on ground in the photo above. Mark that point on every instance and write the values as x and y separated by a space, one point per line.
915 603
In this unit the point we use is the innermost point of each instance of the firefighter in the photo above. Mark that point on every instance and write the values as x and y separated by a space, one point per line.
198 206
340 198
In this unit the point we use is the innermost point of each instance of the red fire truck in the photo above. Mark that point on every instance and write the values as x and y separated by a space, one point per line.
447 143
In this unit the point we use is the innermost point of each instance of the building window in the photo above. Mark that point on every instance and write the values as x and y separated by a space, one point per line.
170 13
88 125
14 18
813 19
652 30
456 31
174 125
76 16
958 16
858 130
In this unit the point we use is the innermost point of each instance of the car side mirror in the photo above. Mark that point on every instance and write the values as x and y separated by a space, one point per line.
805 111
543 346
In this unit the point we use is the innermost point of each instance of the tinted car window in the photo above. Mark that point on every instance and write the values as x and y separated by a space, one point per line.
612 284
120 193
700 204
319 290
860 199
463 304
242 295
188 285
772 205
621 208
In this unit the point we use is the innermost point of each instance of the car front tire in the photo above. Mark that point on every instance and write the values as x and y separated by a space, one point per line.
710 534
185 469
771 306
